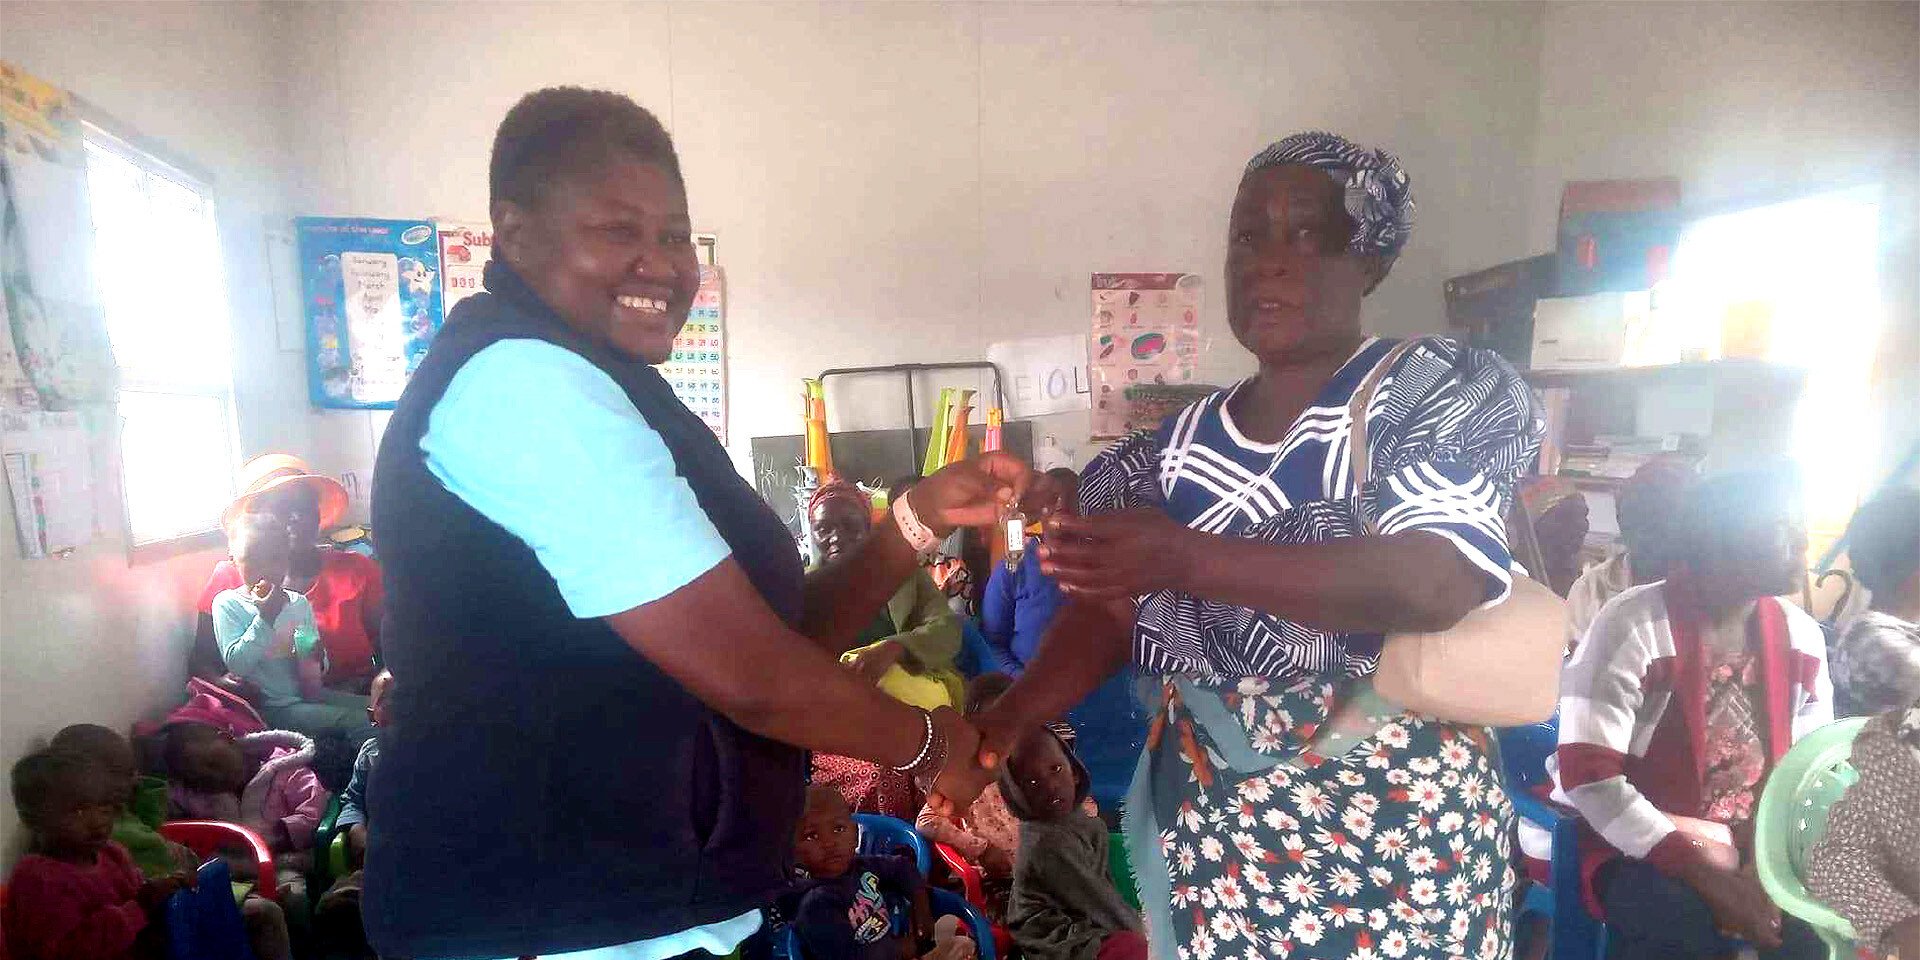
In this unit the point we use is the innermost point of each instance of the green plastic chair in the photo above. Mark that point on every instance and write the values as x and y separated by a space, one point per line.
1792 819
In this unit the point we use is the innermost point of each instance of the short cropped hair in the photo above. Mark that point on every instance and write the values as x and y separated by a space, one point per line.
1883 539
43 776
563 132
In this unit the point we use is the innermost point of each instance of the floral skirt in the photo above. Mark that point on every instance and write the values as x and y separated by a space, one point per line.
1398 848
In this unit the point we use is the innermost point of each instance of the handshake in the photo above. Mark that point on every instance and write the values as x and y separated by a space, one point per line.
976 747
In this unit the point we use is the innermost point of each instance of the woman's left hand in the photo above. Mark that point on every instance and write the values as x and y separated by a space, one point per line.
1117 554
975 492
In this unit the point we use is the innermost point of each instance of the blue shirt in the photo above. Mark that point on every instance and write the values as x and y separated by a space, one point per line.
1016 609
244 637
601 504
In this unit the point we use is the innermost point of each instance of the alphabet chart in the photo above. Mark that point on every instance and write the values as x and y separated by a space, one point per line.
697 370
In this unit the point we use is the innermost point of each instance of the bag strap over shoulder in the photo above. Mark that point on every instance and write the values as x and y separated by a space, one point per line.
1358 452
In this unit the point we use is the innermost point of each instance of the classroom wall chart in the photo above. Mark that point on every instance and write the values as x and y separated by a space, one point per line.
1146 329
697 370
371 293
465 248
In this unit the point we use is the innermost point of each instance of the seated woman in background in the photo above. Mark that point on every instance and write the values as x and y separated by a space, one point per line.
1673 710
344 588
1559 516
1867 867
1645 509
1876 661
908 651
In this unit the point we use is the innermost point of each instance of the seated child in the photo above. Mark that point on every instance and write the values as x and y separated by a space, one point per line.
840 910
1876 660
1064 904
262 781
143 806
336 916
138 829
266 634
988 834
1867 867
77 895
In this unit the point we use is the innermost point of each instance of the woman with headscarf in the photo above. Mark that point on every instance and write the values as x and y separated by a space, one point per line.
608 661
1229 555
910 647
907 651
343 587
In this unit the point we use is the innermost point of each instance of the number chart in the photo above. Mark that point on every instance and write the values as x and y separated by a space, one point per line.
697 370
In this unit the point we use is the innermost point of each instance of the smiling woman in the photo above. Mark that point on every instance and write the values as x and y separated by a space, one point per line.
599 634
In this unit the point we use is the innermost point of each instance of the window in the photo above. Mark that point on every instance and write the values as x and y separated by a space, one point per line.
156 259
1805 275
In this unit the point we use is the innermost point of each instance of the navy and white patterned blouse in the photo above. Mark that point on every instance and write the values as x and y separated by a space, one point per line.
1451 429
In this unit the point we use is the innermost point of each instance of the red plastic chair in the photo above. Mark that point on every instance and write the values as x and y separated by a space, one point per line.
971 887
207 837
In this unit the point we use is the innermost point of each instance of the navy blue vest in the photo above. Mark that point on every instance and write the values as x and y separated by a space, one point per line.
542 788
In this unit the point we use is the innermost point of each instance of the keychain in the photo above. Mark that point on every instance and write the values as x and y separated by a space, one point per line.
1014 528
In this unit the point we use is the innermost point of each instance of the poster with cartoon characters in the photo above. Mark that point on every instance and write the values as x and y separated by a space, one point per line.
371 292
697 370
1146 329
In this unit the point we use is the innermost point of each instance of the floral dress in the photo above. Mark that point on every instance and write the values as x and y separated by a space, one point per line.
1250 839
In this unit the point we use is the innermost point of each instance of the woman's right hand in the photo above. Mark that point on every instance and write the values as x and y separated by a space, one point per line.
962 779
975 492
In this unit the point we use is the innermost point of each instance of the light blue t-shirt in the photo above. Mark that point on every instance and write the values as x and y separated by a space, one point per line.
546 445
244 637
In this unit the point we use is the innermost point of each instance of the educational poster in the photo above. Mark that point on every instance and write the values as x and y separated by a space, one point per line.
465 248
697 370
48 467
1146 330
371 292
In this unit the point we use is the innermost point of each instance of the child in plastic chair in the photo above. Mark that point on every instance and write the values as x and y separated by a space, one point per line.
267 635
264 782
142 807
1064 904
77 895
840 911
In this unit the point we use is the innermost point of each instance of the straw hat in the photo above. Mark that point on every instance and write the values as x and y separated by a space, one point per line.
272 471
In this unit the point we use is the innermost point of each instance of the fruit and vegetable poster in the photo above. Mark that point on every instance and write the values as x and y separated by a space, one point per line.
371 293
697 370
1146 329
465 248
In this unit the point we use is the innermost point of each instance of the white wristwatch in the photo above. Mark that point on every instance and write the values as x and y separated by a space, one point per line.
918 535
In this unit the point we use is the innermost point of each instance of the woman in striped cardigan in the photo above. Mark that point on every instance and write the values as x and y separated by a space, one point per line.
1676 705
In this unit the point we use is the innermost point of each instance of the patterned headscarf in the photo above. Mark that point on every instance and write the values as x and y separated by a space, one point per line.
837 489
1379 196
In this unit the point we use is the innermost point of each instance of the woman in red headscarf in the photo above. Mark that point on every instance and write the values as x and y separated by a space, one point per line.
344 587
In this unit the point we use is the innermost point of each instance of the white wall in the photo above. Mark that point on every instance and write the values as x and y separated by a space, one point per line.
1747 103
90 638
910 182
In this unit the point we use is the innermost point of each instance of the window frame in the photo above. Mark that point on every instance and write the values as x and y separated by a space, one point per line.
153 159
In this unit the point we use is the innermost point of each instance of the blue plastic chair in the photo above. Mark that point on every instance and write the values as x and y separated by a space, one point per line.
944 903
1574 934
886 835
204 923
